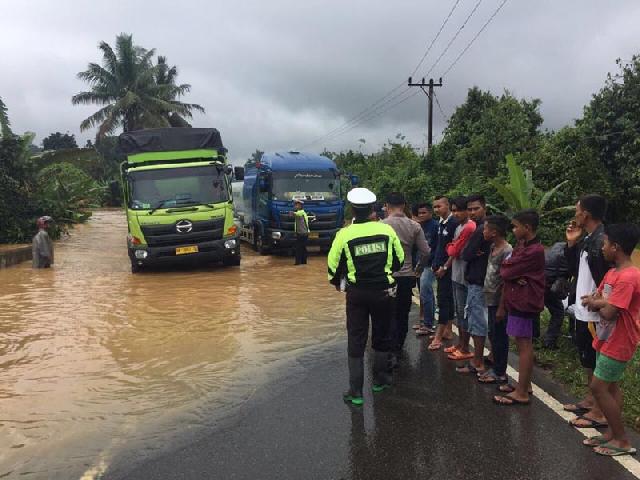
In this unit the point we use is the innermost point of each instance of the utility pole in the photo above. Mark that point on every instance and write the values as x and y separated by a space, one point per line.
429 94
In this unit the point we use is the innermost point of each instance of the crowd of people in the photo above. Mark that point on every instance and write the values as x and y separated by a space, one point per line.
469 274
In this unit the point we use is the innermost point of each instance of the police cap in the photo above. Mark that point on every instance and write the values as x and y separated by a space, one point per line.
361 196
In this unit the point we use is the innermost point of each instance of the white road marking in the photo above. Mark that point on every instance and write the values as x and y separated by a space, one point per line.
631 464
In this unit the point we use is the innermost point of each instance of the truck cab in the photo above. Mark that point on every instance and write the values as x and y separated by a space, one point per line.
177 190
270 187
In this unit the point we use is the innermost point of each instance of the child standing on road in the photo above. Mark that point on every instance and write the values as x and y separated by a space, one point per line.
495 231
617 301
464 230
523 300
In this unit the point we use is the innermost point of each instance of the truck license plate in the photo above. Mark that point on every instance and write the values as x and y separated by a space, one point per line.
314 235
185 250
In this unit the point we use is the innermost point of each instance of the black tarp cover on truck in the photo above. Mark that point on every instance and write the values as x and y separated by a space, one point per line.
170 140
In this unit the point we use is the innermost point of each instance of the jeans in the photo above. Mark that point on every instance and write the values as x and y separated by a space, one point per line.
444 297
476 311
426 295
499 342
556 309
460 302
400 323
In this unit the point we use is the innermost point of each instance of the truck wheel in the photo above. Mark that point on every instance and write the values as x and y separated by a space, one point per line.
231 261
135 268
261 248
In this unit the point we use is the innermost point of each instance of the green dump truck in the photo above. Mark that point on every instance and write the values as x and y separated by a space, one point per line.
177 191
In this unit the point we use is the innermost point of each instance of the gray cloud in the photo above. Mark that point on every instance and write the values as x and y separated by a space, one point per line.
279 74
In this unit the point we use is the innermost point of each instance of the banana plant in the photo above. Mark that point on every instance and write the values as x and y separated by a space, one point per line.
521 194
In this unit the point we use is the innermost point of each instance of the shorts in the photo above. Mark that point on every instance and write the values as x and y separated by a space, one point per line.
609 369
477 317
519 326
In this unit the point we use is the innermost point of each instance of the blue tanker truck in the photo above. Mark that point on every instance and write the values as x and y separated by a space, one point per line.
271 185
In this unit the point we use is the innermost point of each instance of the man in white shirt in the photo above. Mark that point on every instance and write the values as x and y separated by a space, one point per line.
587 265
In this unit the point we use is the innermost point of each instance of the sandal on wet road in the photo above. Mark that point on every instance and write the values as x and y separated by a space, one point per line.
576 408
579 422
595 441
509 388
490 378
433 346
508 401
612 451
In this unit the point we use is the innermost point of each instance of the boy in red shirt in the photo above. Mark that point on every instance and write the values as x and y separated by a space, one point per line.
617 300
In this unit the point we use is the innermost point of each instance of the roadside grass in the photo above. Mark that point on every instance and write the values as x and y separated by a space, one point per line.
565 367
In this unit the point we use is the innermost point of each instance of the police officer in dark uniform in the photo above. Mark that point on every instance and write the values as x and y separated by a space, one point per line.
366 254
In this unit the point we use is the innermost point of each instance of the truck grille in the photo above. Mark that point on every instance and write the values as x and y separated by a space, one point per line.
167 235
324 221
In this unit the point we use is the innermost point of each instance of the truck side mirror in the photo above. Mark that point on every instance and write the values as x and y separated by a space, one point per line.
355 180
239 173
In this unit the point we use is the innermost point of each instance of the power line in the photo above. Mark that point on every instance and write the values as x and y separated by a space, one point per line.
446 49
373 115
474 38
446 20
444 116
377 103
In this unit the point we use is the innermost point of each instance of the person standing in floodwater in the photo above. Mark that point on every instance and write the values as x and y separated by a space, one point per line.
42 245
301 227
367 253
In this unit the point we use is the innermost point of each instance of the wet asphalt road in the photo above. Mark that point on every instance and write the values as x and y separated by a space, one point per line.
434 423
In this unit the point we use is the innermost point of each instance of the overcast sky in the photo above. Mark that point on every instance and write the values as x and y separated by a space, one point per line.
278 74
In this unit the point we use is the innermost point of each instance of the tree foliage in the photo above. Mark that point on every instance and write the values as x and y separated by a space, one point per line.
134 92
59 141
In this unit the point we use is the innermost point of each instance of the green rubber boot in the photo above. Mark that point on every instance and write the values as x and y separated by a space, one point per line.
381 375
356 380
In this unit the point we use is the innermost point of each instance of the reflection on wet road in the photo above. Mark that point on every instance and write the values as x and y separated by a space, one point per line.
94 359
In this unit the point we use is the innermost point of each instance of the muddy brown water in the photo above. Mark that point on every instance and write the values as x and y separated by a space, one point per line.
94 360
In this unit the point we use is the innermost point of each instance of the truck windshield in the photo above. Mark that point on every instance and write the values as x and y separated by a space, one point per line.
305 185
175 187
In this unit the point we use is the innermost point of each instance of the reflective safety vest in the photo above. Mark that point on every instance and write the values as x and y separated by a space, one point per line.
367 254
301 222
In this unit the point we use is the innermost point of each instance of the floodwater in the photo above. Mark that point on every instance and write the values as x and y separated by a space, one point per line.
95 361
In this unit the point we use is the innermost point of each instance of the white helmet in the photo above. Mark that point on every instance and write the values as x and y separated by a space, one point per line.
361 196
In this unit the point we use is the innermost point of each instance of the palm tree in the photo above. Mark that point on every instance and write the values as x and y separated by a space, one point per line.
166 77
126 84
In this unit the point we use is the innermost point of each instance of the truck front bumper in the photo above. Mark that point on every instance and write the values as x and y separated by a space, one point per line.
276 238
213 251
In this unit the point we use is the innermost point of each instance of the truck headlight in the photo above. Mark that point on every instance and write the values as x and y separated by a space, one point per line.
141 254
276 235
230 243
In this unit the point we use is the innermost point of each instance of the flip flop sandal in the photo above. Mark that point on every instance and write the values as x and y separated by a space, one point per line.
423 331
451 349
592 423
492 379
467 368
458 355
433 346
614 451
499 400
596 441
509 388
576 410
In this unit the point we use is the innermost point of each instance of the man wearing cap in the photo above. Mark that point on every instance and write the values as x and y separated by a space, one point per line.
367 253
301 227
411 237
42 246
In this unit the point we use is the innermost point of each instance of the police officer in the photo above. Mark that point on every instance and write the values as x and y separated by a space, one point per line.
301 227
367 253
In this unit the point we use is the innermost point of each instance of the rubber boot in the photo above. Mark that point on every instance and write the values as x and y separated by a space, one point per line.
356 380
381 375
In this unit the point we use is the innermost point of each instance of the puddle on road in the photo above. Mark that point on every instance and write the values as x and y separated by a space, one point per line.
94 359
